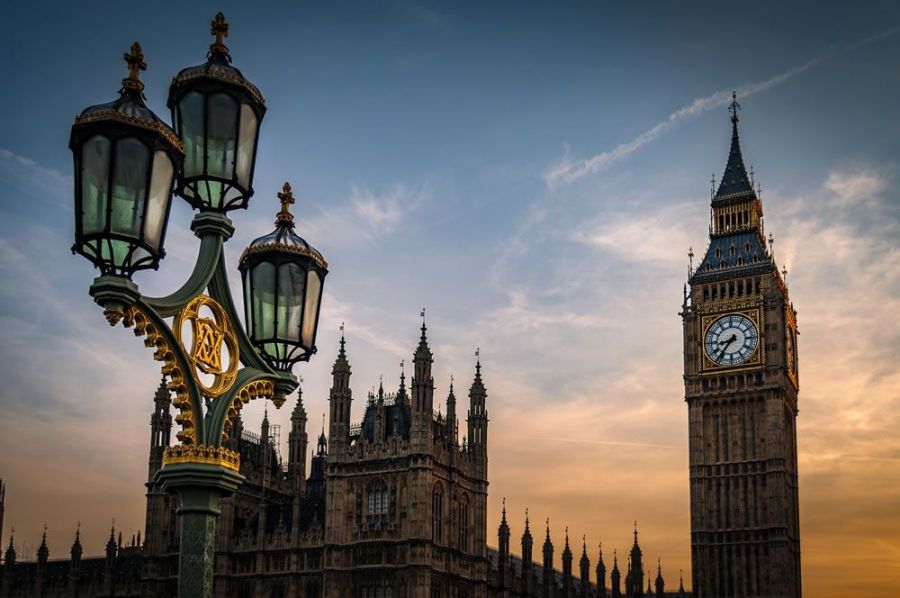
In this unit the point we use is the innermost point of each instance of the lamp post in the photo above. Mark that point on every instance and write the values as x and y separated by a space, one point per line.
126 161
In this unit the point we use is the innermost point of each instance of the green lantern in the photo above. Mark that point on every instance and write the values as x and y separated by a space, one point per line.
283 277
125 162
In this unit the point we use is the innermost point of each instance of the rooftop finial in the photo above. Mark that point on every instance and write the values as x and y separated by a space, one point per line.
423 322
286 197
635 532
135 61
219 28
734 107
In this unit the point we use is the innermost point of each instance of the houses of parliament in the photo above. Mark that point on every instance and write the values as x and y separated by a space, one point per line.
396 505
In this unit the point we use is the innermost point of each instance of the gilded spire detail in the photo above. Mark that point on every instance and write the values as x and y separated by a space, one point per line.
286 197
135 61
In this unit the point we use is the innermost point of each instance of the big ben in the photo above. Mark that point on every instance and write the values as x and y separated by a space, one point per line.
741 383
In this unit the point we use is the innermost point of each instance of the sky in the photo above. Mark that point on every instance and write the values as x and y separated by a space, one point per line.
533 174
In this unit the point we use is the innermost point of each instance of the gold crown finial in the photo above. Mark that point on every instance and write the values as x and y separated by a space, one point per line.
219 28
286 197
135 61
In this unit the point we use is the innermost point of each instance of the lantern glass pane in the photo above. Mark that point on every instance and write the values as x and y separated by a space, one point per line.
263 285
247 138
129 191
94 183
192 133
291 287
221 135
248 305
310 313
160 192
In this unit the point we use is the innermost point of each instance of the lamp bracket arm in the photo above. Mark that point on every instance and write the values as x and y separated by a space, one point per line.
213 229
171 353
249 384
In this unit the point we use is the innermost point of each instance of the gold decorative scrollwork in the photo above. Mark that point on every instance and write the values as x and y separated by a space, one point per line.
198 453
133 317
208 337
251 390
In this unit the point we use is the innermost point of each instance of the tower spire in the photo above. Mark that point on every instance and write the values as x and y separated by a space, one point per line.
735 179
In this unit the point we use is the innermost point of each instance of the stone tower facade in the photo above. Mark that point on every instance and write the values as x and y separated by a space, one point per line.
406 500
741 383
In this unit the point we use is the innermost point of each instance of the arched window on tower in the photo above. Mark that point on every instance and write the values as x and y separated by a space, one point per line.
463 521
437 514
377 503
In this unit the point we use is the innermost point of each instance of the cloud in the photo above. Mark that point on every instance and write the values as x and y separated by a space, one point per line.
382 213
637 236
568 170
367 215
28 175
855 186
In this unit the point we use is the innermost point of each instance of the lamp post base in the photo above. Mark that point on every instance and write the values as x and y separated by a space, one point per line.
199 486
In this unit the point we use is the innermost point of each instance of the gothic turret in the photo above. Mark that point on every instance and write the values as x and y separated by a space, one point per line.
160 428
567 567
615 578
75 562
43 554
503 544
298 441
340 399
601 573
478 421
660 583
549 581
681 591
9 564
527 557
109 566
585 569
422 393
451 417
636 567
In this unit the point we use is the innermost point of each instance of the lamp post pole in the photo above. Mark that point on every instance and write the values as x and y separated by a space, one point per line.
126 161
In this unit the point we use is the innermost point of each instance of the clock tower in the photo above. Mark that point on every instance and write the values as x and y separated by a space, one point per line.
740 384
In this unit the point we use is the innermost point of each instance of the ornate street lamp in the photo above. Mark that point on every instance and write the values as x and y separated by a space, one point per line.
125 161
283 276
217 113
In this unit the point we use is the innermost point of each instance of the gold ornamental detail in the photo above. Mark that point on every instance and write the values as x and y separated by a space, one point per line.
140 121
210 338
198 453
252 390
143 326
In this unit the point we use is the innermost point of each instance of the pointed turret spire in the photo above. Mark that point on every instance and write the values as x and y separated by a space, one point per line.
681 581
735 180
77 550
10 557
43 552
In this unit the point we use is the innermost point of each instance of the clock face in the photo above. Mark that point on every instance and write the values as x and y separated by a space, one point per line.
731 340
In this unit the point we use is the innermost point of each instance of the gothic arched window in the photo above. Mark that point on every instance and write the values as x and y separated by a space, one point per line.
377 502
437 514
463 520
